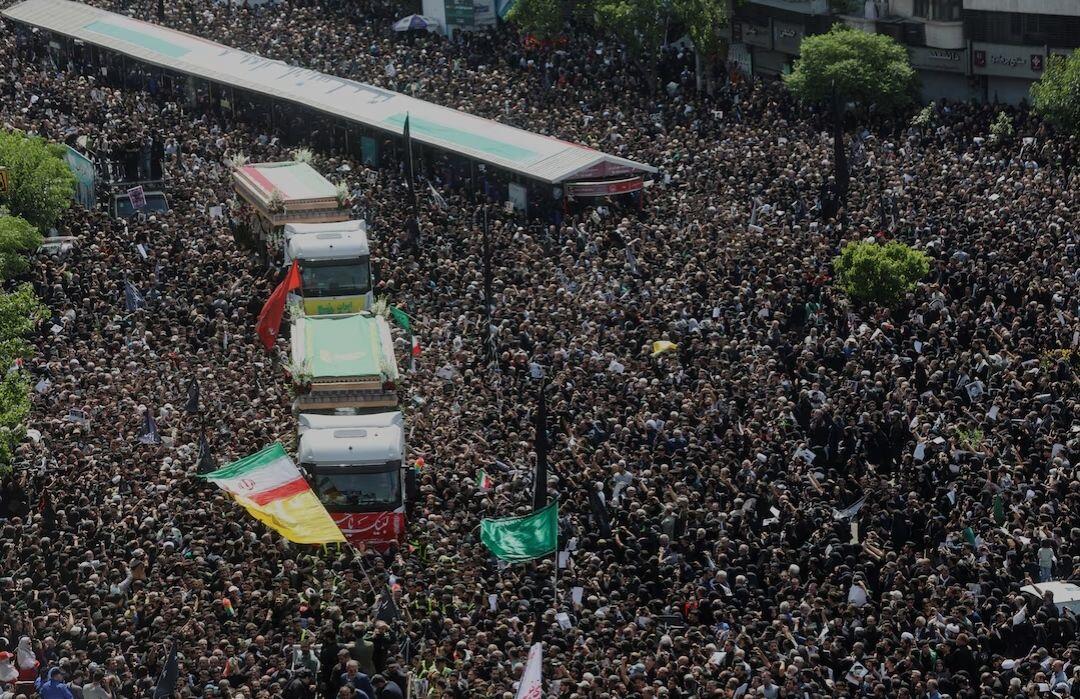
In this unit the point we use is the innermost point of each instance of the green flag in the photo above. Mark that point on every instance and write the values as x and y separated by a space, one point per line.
999 510
969 534
401 318
523 538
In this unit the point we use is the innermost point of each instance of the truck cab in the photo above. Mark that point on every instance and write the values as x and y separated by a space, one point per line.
335 265
357 468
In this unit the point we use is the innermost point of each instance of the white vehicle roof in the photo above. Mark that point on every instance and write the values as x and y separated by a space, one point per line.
1063 591
326 241
351 439
313 421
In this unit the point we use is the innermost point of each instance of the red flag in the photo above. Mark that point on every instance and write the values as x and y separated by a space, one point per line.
270 317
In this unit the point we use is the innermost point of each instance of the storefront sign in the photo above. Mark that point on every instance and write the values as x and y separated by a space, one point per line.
787 37
604 189
942 60
757 35
1007 60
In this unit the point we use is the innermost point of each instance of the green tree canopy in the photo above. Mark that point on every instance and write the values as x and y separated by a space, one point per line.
1056 95
42 184
866 69
703 20
881 273
543 18
20 311
639 24
17 236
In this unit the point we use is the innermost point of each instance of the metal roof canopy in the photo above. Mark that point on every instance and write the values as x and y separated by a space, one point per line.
531 155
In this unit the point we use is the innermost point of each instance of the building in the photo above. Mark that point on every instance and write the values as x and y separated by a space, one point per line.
932 31
1011 39
988 50
765 34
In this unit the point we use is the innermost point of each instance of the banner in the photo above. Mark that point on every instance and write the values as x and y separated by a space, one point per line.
532 680
605 188
83 169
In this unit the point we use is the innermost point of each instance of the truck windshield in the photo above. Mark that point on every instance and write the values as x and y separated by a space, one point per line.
348 488
336 277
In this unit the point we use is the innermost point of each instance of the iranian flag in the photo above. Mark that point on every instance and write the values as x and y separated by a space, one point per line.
273 491
483 481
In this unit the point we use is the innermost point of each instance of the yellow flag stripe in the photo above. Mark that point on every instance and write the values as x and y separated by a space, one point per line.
300 518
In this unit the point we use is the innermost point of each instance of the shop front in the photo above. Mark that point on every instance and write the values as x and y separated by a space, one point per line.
943 73
1007 70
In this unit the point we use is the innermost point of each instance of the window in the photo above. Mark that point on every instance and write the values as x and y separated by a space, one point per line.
922 9
336 277
947 10
359 488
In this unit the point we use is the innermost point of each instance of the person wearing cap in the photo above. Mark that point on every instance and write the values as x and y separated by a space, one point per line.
54 687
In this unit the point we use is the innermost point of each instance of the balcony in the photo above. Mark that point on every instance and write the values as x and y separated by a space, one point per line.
945 35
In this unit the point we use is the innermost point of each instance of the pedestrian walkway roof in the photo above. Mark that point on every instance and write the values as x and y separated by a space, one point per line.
531 155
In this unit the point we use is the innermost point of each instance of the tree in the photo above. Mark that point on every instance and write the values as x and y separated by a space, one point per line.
641 25
1002 128
541 18
867 271
42 184
16 236
868 69
1056 95
703 20
20 311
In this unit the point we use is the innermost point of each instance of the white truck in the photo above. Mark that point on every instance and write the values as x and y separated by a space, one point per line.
335 265
358 470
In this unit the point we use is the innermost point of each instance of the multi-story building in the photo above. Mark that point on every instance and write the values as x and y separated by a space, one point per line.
766 34
1010 41
989 50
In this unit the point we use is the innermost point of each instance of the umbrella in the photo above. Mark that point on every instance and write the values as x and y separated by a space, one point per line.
416 22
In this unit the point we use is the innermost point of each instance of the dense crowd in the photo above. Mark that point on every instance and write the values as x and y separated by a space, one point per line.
808 497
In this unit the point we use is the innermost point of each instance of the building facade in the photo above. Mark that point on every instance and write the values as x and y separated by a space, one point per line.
988 50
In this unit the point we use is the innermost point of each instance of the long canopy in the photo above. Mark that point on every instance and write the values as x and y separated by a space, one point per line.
531 155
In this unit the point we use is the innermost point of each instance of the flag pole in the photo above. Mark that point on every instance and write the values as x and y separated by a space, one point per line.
555 577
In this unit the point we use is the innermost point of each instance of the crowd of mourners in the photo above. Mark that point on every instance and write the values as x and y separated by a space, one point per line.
808 497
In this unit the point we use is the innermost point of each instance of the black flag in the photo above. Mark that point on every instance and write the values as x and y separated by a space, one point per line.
409 169
387 610
489 298
206 462
166 684
192 404
540 477
148 434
